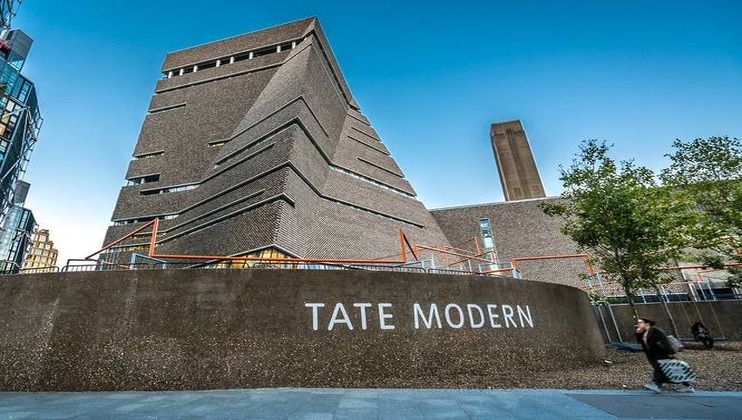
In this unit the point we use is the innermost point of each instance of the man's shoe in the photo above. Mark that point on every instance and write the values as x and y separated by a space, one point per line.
653 387
685 389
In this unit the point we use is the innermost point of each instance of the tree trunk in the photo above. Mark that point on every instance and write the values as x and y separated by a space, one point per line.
630 297
673 327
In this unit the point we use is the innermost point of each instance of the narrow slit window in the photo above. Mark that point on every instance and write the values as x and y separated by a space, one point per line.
143 179
486 230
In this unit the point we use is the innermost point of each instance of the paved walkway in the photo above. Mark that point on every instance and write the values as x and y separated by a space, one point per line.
408 404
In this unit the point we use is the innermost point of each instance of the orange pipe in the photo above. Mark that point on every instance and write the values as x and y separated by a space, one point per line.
409 245
153 238
117 241
696 267
401 245
466 258
453 253
152 254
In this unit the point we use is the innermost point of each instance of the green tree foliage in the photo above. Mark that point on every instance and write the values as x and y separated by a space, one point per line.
710 171
620 216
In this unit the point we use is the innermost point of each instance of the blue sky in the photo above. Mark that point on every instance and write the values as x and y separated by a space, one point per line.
430 75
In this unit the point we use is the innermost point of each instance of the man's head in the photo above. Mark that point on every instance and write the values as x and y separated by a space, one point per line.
643 324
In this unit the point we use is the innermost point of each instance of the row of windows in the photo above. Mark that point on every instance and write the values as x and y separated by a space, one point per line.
42 257
144 219
129 248
156 177
218 143
146 235
39 264
169 190
44 253
248 55
149 155
10 112
13 84
142 179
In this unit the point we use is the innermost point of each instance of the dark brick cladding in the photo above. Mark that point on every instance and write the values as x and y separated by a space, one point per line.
520 229
277 154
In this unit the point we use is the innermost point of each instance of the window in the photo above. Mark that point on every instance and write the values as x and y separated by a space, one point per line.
143 179
149 155
240 57
169 190
23 94
204 66
144 219
486 231
248 55
264 51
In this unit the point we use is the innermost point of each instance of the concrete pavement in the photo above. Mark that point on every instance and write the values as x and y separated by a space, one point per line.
408 404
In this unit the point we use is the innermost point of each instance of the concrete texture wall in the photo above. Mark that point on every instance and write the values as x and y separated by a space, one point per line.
518 171
723 318
209 329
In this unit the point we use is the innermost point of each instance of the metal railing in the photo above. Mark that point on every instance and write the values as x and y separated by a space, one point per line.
90 266
34 270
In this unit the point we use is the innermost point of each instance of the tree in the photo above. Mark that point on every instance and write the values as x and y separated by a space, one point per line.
710 171
629 225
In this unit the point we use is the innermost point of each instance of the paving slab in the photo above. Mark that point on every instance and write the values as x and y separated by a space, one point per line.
407 404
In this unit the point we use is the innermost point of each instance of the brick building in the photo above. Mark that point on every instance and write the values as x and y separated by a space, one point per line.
255 146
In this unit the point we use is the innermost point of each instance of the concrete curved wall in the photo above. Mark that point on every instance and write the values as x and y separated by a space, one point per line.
208 329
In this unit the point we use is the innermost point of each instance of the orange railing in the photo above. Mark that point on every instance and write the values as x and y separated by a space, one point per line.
407 249
404 245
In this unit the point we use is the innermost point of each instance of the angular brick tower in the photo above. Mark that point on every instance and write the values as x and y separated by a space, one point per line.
255 146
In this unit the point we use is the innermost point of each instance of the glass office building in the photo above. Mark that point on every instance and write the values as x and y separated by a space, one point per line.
15 239
20 119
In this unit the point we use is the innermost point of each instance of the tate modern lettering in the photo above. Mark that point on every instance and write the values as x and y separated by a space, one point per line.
367 315
211 329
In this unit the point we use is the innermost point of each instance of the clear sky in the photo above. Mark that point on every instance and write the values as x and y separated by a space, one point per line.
430 75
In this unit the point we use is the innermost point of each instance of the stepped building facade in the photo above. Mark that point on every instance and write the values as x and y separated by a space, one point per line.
255 146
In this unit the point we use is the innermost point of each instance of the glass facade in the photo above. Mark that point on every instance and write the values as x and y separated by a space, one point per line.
486 231
15 242
20 119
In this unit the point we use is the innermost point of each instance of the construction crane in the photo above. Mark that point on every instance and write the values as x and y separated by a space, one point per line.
8 9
